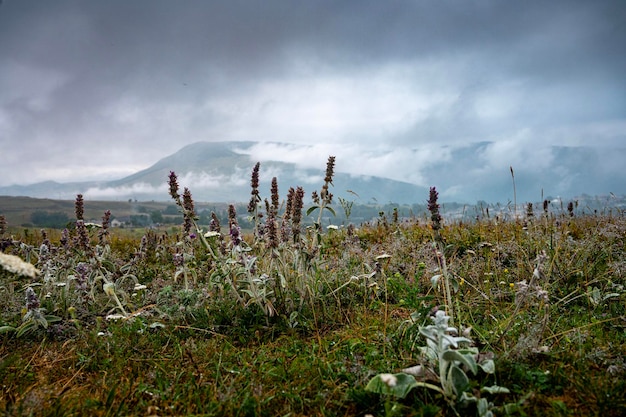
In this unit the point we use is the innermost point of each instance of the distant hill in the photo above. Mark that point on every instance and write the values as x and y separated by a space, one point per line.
220 172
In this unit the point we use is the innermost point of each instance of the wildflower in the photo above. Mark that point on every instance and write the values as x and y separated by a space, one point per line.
389 379
17 266
296 213
173 183
32 301
65 238
232 216
178 259
330 168
79 207
271 230
211 233
315 197
3 225
83 236
433 207
274 196
82 269
383 256
189 213
102 234
139 287
214 225
332 227
254 198
235 235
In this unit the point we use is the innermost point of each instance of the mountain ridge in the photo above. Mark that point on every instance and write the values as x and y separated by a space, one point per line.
220 172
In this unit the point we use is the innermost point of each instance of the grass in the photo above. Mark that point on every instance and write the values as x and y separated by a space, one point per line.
300 326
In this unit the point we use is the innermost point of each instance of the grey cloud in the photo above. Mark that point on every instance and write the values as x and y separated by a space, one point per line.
135 81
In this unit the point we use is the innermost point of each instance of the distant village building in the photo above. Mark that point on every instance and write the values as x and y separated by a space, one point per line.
120 222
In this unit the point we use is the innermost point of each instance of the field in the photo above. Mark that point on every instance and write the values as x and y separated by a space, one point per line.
518 316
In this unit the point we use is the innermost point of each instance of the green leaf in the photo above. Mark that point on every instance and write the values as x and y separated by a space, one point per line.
25 328
7 329
483 408
455 284
495 389
434 280
467 359
403 384
311 210
329 208
460 381
488 366
52 319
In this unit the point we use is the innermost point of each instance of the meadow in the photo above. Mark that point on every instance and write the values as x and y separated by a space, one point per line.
518 315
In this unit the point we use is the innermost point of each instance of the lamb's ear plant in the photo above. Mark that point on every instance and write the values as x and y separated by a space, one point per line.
34 316
447 360
444 279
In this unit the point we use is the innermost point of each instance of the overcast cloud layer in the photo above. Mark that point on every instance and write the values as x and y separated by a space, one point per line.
101 89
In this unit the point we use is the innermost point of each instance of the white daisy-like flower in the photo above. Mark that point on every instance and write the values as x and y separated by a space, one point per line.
332 227
139 287
211 234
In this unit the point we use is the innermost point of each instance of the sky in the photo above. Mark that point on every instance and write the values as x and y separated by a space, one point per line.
450 93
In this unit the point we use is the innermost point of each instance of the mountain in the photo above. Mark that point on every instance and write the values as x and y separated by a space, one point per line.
220 172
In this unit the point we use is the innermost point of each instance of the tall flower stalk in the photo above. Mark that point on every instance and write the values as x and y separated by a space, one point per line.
324 199
255 198
435 221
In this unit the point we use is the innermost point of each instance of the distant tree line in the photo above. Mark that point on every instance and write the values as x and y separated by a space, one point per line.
55 220
357 214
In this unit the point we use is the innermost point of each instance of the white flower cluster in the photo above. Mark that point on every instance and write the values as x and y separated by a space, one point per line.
16 265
